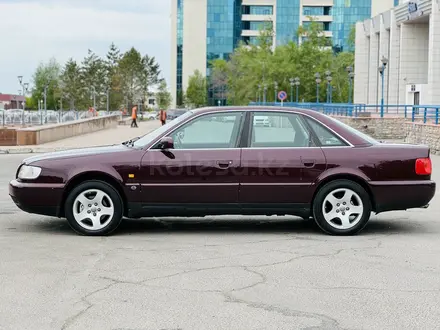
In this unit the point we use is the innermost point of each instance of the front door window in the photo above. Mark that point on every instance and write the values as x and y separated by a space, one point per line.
213 131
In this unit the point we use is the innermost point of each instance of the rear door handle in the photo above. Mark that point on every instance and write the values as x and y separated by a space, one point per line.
224 164
308 162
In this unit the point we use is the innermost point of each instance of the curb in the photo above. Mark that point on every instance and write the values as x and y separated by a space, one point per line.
18 151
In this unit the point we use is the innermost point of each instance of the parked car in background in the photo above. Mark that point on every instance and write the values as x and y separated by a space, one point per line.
262 121
174 113
216 161
151 115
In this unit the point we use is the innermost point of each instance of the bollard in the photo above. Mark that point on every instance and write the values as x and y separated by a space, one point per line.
413 115
424 115
406 111
436 116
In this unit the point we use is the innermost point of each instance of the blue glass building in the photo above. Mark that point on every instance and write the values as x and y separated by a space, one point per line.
223 33
227 22
288 21
345 14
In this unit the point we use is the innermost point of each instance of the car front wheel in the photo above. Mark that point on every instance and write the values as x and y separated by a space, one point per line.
94 208
342 207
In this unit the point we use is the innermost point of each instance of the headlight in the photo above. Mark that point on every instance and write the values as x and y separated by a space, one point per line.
29 172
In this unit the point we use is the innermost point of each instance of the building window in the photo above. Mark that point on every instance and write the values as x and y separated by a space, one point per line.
257 25
258 10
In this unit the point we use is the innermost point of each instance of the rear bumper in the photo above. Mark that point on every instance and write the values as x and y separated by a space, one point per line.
37 198
402 195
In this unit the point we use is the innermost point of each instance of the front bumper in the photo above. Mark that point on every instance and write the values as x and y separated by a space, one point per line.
402 195
37 198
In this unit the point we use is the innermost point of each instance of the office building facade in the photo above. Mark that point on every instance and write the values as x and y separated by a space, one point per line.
407 40
203 30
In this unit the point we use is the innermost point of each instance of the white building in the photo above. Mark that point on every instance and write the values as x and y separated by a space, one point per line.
408 36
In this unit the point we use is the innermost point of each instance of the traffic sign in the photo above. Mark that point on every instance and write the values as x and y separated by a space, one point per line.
282 95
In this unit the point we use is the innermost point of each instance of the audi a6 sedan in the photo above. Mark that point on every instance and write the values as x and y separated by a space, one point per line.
218 161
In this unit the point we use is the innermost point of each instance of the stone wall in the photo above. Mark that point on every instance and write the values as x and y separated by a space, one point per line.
8 137
49 133
389 128
427 134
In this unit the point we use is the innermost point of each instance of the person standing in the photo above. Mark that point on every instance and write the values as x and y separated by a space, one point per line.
134 116
163 117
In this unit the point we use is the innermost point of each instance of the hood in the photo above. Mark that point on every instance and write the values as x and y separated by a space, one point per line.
92 151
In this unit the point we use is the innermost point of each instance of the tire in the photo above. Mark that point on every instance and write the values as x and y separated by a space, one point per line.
98 204
336 218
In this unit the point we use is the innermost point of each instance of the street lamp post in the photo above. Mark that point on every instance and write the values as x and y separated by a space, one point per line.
297 83
350 82
318 81
41 112
264 93
108 99
382 68
259 93
24 87
45 97
275 85
329 78
94 98
292 83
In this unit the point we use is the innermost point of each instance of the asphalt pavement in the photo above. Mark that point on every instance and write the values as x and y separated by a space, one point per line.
239 273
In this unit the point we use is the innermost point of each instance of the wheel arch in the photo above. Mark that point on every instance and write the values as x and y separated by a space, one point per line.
93 176
351 177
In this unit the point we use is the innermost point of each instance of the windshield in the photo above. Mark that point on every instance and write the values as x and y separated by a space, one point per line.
149 137
367 138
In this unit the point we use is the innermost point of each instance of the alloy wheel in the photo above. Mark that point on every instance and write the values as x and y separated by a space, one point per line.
342 208
93 209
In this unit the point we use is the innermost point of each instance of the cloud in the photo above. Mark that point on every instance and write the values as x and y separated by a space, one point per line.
34 31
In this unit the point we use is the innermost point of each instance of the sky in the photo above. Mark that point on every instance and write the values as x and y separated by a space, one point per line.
33 31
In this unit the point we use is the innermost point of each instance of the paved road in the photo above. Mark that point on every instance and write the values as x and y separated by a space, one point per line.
221 273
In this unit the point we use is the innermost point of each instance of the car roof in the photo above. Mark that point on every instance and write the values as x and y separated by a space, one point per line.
348 134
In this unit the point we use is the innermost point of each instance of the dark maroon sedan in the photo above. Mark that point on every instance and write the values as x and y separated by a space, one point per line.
217 161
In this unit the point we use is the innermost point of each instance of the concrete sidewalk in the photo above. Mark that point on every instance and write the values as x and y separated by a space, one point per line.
106 137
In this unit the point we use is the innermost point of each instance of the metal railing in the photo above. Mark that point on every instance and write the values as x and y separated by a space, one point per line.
415 113
18 117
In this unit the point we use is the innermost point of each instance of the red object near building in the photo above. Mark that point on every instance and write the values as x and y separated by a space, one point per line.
10 101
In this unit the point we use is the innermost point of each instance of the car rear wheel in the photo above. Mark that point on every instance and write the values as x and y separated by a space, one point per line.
94 208
342 207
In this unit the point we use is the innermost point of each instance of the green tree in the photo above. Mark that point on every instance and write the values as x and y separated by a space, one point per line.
219 80
94 81
131 69
31 104
46 75
71 84
352 38
150 74
163 95
253 67
196 93
114 80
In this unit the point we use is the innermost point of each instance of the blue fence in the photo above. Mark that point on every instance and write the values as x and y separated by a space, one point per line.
419 113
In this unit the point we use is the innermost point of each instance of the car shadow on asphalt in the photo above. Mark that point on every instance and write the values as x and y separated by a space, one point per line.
245 226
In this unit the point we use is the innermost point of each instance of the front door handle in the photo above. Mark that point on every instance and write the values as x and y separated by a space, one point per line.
308 162
224 164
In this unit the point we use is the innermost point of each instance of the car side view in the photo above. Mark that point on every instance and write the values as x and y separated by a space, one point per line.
226 160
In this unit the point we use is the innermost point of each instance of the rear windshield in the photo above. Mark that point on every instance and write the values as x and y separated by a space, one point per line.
363 136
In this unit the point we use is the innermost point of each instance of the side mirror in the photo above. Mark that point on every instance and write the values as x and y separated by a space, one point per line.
166 143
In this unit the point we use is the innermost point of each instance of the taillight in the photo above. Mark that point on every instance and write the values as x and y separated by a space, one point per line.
423 166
